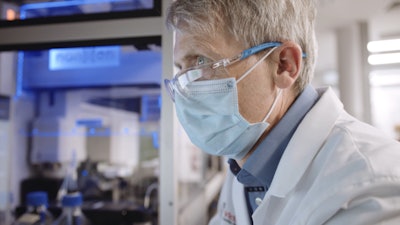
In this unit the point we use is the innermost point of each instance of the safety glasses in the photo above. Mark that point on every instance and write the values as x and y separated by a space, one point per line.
210 71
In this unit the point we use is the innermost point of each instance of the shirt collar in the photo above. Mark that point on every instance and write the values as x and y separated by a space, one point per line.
260 167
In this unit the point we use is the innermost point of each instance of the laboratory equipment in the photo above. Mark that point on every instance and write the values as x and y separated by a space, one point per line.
70 182
71 211
118 213
36 213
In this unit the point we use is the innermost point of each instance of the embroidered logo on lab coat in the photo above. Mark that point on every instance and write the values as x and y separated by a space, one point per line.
229 217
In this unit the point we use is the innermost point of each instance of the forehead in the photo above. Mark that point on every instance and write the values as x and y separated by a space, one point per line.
187 43
212 46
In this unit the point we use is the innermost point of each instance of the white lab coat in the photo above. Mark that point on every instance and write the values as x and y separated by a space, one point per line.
335 171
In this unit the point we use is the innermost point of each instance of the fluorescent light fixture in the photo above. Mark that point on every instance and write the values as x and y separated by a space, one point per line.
384 45
386 58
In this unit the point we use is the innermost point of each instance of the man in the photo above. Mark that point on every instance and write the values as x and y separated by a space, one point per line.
296 157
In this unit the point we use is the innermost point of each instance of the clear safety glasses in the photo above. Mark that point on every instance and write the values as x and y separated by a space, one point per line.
210 71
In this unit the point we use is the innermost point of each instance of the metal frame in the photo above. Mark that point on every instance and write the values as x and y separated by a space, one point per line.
78 34
142 13
39 35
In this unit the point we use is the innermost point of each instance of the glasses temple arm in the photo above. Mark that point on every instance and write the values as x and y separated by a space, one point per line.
251 51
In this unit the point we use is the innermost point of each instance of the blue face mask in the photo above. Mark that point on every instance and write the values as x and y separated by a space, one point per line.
209 113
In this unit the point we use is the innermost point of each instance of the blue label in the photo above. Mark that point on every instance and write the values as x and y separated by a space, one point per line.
85 57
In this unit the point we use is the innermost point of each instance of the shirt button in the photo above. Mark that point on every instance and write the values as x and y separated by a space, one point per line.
258 201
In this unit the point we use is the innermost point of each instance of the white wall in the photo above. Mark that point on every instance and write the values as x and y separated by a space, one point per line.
379 107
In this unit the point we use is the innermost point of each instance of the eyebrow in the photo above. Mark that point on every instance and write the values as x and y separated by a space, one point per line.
192 55
206 49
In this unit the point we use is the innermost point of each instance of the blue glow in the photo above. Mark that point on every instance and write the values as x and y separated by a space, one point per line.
20 75
92 131
150 108
133 67
22 14
84 173
156 144
159 102
85 57
46 5
89 123
63 7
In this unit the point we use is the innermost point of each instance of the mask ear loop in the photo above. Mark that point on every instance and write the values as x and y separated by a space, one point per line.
256 64
279 90
273 105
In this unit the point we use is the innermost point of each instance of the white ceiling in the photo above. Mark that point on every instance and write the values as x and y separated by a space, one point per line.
335 13
382 18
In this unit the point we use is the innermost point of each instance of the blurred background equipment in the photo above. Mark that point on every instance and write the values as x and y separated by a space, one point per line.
36 210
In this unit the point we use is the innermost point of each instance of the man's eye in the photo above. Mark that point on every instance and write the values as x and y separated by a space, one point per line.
201 60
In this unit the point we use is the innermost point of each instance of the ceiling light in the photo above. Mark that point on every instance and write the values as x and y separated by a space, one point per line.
387 58
384 45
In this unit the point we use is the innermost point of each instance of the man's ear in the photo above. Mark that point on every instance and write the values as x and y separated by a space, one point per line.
289 59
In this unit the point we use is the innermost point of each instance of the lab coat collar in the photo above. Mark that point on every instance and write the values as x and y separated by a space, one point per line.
306 142
260 167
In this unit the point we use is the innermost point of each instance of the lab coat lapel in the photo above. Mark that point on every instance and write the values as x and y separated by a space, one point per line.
301 150
239 203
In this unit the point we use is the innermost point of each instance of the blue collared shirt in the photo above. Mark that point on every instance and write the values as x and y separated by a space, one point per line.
259 169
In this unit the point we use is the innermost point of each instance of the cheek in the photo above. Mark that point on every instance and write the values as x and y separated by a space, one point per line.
255 92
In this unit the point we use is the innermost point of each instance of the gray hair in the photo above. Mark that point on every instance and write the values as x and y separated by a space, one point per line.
252 22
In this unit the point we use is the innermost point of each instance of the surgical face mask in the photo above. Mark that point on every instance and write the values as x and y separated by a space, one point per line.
209 112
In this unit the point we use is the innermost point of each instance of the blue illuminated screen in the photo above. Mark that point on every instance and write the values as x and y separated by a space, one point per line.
43 9
89 67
